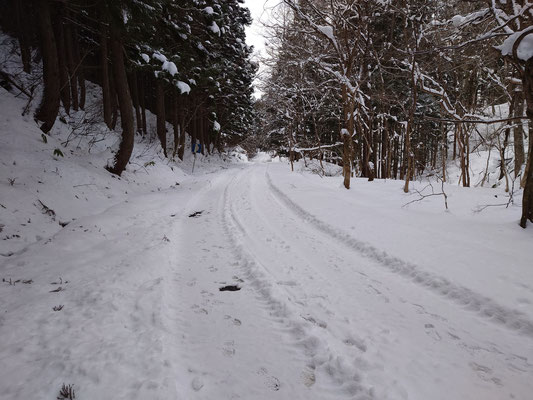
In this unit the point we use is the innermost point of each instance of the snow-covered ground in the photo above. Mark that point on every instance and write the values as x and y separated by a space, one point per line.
327 293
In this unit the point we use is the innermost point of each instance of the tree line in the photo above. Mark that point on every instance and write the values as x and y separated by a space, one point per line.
185 61
393 89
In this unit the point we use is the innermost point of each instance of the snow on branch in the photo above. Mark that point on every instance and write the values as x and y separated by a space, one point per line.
299 149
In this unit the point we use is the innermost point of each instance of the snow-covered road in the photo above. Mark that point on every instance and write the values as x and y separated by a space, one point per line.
321 315
318 314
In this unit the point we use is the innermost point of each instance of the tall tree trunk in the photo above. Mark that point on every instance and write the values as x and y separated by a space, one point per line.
22 33
49 107
71 64
527 201
402 158
409 128
467 158
518 137
161 119
135 99
62 59
459 133
207 135
396 167
408 159
194 131
124 99
175 123
114 101
81 72
291 151
444 149
502 149
106 91
202 131
526 169
181 149
347 134
385 151
142 102
367 170
454 154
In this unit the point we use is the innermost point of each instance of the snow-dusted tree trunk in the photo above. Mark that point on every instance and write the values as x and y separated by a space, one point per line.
124 100
49 108
527 201
104 76
161 117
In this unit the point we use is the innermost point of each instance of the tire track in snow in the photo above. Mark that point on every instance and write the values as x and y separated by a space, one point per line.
460 295
229 344
345 377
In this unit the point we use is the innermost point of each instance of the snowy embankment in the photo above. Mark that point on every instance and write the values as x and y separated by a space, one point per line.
84 259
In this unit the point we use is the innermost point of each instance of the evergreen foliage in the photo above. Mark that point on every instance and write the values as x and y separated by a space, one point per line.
186 61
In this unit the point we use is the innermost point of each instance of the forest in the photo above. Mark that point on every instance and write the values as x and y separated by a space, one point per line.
397 89
385 89
185 61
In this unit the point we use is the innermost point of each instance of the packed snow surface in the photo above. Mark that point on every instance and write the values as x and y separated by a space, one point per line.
246 281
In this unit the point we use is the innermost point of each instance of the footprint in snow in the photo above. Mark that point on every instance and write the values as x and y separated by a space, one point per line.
453 336
287 283
430 331
308 377
229 348
485 373
235 321
197 384
360 344
199 310
314 321
270 381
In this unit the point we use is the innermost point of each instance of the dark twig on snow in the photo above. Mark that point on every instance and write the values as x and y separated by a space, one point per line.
510 201
46 210
424 196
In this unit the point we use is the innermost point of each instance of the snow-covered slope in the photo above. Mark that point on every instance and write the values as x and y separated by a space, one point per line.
67 228
43 189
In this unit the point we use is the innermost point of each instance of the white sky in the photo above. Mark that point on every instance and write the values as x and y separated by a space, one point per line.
254 33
